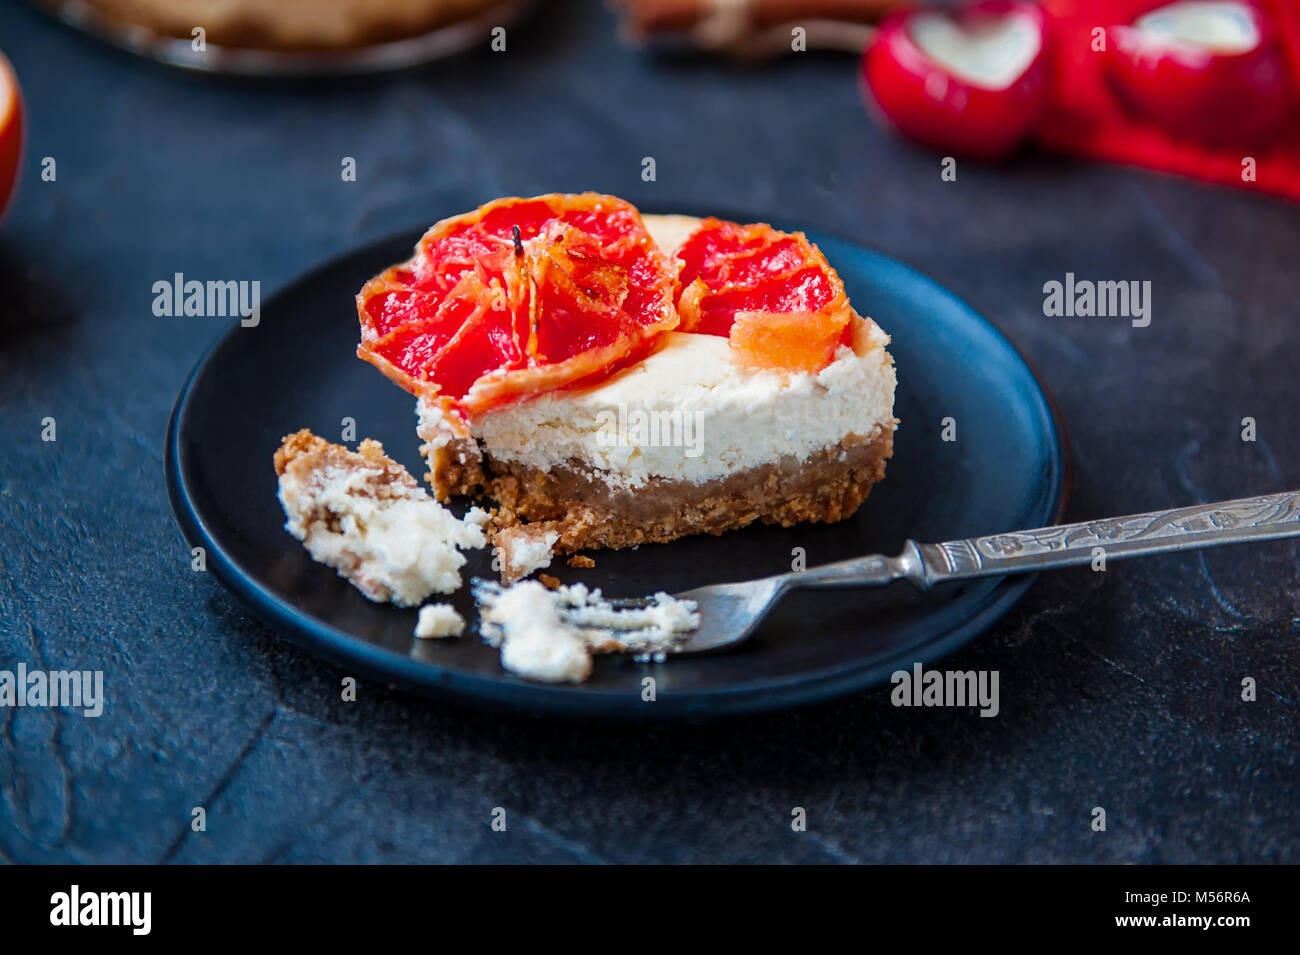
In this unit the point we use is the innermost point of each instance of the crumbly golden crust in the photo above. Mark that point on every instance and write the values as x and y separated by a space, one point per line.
455 468
303 455
587 513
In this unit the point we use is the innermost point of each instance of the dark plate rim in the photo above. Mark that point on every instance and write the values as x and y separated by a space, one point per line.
506 692
382 57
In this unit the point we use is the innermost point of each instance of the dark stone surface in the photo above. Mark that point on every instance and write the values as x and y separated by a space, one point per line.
1119 689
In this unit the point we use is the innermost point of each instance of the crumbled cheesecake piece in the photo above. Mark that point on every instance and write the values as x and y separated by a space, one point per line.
581 560
534 641
439 620
550 635
361 513
523 549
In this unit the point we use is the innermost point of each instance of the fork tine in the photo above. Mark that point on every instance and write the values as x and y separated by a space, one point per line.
729 613
624 624
482 589
629 603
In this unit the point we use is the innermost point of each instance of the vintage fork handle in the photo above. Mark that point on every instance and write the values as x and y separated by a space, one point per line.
1269 517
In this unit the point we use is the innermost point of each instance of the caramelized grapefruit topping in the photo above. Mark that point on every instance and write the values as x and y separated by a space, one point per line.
523 296
519 296
772 293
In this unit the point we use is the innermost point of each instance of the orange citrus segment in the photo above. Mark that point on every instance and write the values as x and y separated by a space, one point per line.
794 341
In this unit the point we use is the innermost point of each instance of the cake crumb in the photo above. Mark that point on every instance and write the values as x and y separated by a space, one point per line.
524 548
439 620
361 513
551 583
581 560
535 642
550 635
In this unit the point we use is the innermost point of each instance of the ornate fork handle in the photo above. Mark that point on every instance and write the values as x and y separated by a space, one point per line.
1269 517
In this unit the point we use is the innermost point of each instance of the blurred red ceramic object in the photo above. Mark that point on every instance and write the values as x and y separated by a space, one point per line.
11 131
1213 71
973 82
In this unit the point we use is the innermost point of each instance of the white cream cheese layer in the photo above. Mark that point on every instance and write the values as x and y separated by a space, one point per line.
688 413
669 232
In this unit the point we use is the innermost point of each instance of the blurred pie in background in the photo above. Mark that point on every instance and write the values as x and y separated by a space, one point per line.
289 24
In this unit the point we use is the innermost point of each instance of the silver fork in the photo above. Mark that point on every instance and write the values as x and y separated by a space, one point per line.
729 613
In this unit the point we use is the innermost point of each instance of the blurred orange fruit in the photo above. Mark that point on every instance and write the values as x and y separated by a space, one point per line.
11 131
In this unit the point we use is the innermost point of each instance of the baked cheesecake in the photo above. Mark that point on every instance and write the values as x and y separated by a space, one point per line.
607 379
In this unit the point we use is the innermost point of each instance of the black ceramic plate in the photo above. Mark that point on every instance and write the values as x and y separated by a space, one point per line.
297 368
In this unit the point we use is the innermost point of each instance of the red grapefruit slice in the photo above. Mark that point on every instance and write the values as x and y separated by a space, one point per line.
516 297
773 294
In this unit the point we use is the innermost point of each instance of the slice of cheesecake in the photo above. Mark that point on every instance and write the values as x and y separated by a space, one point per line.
765 398
683 442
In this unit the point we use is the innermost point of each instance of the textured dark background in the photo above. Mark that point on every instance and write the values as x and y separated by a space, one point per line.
1118 689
